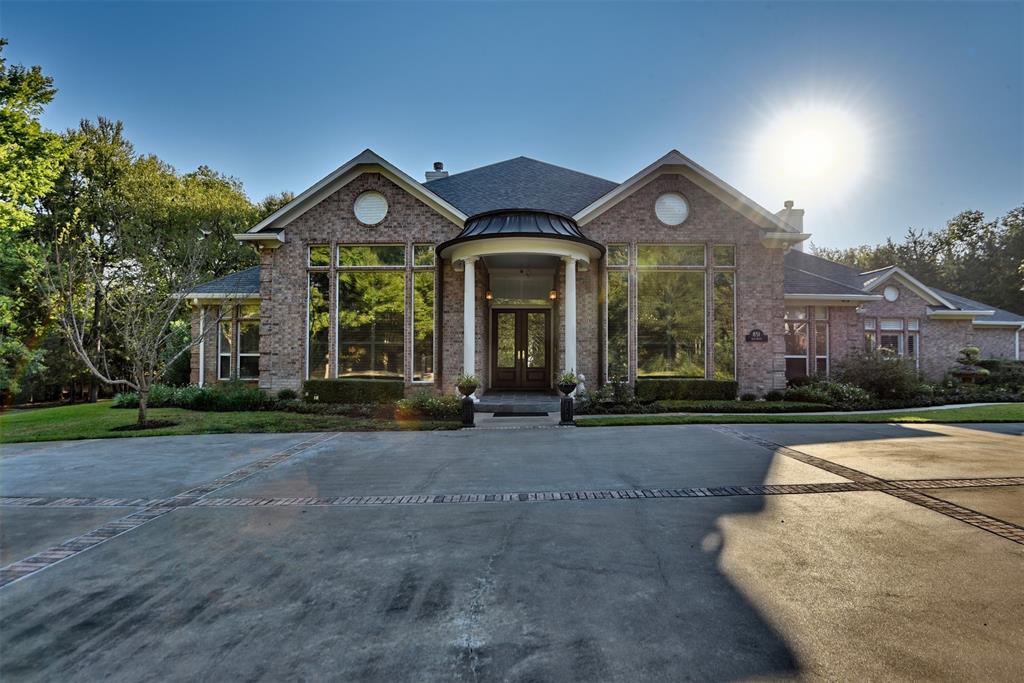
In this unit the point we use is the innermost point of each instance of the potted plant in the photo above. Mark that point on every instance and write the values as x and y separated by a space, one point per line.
467 384
567 382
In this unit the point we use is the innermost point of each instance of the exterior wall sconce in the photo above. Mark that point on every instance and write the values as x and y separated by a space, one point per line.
553 294
488 295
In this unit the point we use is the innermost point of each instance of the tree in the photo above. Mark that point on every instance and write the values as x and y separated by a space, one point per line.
30 161
979 259
144 294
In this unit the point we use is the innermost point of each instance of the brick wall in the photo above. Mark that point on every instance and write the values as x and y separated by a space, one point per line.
996 342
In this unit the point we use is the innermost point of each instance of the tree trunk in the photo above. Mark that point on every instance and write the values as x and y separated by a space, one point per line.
143 397
94 386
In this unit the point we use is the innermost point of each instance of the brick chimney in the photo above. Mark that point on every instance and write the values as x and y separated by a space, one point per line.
794 218
438 172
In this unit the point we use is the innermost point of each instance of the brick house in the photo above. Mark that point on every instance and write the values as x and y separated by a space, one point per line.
520 270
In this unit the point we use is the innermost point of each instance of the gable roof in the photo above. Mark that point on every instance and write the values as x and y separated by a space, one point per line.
366 161
806 274
676 162
242 284
521 184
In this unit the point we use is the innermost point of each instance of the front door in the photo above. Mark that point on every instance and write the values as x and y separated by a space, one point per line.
520 349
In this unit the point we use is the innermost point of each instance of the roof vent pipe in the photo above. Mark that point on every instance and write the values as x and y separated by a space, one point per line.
438 172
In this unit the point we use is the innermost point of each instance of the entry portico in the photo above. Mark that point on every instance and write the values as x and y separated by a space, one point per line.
522 250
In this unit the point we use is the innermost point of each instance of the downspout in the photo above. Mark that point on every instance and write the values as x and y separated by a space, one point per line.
202 345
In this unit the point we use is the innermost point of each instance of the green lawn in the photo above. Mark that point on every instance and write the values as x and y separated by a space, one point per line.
1004 412
95 420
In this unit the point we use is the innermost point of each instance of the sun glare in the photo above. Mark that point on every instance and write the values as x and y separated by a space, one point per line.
814 152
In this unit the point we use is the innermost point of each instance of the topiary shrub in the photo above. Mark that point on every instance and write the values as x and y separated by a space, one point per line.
352 390
775 395
649 390
287 395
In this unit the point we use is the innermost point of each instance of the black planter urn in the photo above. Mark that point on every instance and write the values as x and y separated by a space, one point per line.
567 388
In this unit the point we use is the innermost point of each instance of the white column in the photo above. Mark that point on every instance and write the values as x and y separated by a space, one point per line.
570 314
469 316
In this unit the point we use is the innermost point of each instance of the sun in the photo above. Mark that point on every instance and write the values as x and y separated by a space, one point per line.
816 152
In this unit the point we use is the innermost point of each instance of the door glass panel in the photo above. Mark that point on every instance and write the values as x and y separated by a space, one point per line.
535 332
506 340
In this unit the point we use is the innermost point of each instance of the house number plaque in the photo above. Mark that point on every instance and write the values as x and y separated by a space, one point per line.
757 336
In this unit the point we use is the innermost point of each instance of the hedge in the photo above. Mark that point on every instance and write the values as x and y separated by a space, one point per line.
648 390
352 390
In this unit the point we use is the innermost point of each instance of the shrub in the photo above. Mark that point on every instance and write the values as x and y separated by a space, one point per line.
287 395
1003 373
735 407
881 375
352 390
800 381
425 404
222 397
748 397
649 390
775 395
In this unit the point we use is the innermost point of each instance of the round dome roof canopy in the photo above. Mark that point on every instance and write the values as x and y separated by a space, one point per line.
522 224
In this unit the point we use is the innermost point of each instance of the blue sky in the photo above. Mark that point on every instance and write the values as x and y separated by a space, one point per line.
279 94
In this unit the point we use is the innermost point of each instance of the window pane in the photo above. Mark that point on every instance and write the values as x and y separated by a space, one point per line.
224 368
371 324
796 339
618 325
869 324
248 367
890 343
725 331
318 348
913 324
796 313
423 255
912 345
821 367
423 326
506 340
821 338
372 255
320 256
821 312
670 324
618 254
869 341
724 255
796 367
536 334
670 255
249 336
249 310
227 339
891 324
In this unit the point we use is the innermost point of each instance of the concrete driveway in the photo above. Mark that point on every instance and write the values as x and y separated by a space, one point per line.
652 553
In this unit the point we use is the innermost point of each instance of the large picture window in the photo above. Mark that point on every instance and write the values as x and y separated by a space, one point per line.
371 323
670 323
318 347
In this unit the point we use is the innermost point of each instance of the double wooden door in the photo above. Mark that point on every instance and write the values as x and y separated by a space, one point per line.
521 348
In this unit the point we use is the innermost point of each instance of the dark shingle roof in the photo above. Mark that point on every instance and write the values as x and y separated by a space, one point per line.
966 304
802 282
521 183
822 268
243 282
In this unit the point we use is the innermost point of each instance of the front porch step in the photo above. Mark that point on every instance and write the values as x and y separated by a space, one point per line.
517 403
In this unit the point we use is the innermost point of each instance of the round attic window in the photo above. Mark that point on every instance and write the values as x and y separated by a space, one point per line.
891 293
370 208
671 208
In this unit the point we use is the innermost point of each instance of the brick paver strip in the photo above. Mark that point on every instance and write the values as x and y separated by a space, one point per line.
903 489
152 510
